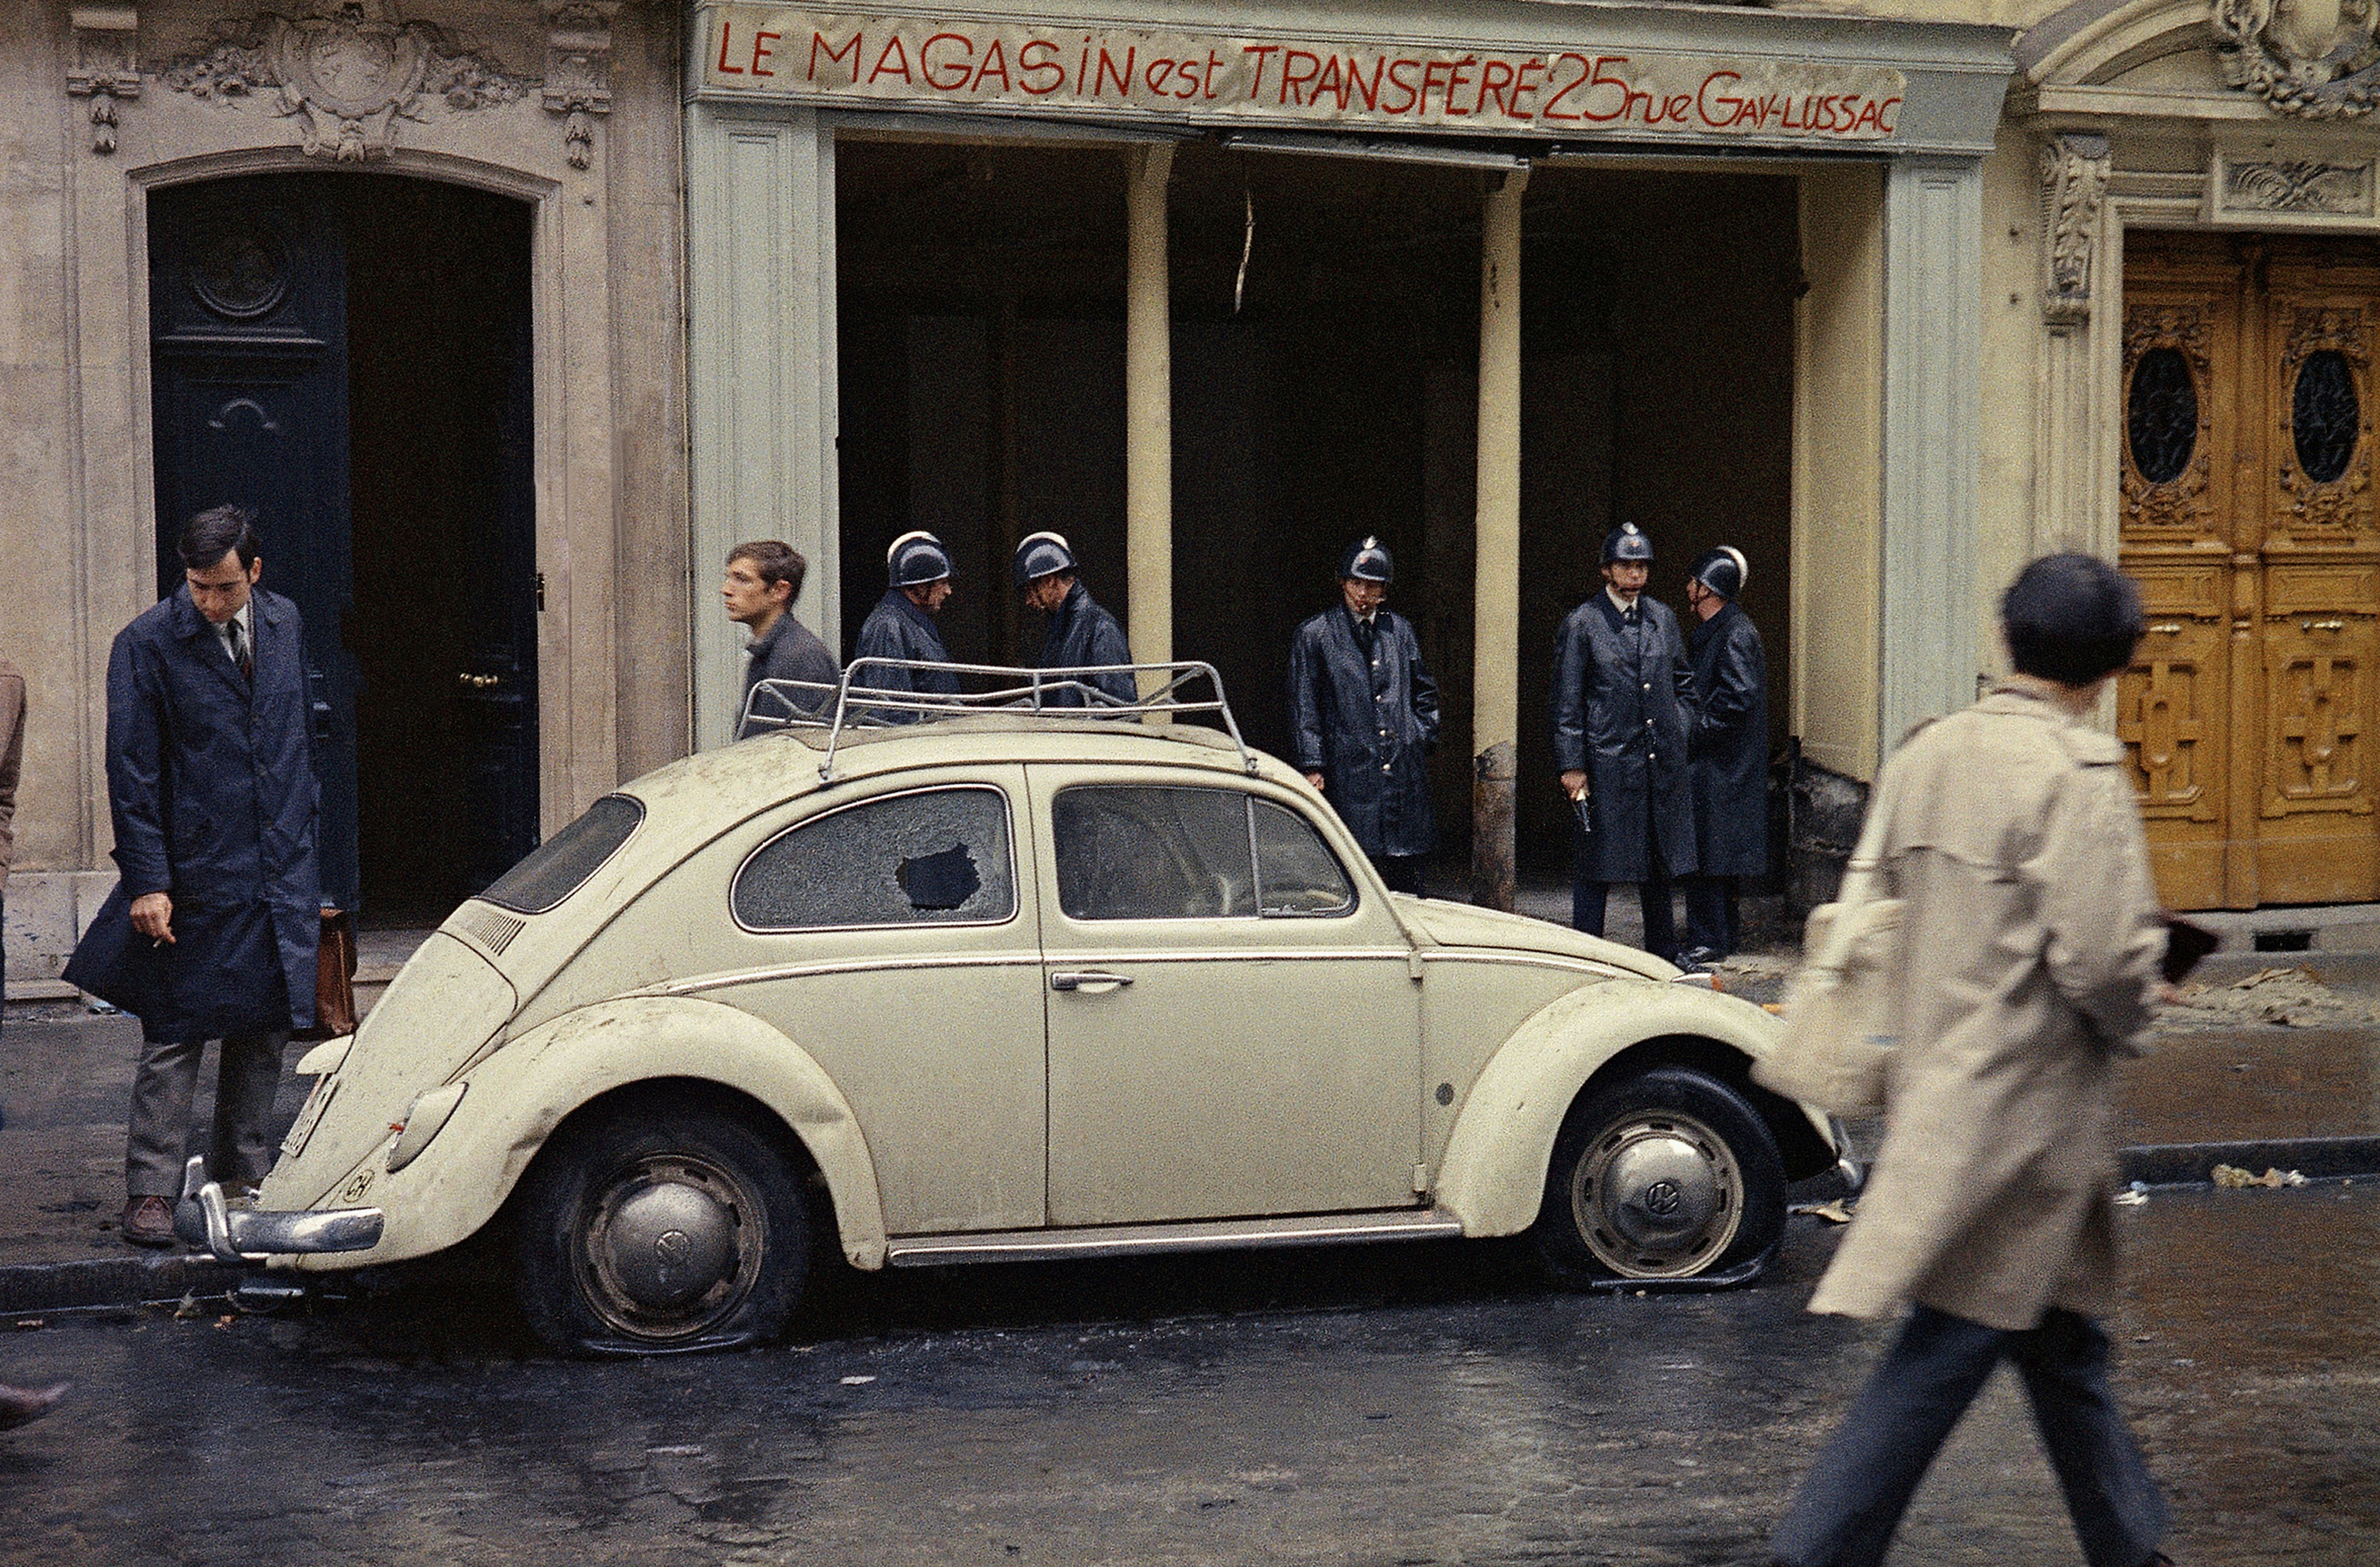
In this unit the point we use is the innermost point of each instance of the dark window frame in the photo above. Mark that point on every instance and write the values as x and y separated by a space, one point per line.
489 896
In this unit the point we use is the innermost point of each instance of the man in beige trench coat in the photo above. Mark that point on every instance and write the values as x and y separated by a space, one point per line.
2032 936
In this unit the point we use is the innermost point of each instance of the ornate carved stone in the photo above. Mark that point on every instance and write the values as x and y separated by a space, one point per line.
346 71
579 69
2074 181
2303 185
107 66
2343 504
2182 504
2312 61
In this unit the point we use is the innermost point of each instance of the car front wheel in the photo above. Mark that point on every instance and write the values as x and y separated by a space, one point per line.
657 1228
1665 1175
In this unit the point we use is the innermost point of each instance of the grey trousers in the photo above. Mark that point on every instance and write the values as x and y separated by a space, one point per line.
246 1080
1848 1509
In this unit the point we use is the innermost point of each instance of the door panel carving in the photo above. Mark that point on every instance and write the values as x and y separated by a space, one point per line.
2249 711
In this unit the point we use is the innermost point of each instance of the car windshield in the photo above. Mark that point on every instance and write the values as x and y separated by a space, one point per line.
560 864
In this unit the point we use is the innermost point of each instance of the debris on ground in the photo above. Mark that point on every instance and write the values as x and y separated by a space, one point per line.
2131 1199
188 1307
2232 1176
1836 1212
2294 996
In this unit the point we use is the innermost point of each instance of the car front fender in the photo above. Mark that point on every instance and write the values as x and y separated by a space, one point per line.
518 1097
1493 1176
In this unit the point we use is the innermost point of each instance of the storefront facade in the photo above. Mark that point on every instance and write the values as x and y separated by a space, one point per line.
1215 291
405 279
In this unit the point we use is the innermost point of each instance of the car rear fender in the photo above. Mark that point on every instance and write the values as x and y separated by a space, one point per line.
521 1093
1493 1175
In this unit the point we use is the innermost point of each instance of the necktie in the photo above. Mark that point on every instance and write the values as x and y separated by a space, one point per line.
239 650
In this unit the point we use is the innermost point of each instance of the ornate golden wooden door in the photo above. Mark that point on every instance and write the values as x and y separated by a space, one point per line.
2249 522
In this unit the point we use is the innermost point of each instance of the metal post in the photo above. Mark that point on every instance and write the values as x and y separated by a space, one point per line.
1496 624
1149 411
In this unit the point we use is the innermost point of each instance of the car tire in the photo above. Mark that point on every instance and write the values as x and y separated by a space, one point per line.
657 1228
1668 1175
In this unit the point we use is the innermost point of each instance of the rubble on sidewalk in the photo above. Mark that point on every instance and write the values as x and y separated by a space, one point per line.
2232 1176
2291 996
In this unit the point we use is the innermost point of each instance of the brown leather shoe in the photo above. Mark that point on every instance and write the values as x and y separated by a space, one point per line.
18 1405
148 1222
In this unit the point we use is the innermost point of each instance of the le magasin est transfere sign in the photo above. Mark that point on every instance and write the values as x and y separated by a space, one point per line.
852 58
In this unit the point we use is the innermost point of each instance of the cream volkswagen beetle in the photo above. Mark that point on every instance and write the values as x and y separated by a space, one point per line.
1011 984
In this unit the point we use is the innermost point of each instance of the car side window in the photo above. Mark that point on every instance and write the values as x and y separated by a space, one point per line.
1162 851
933 856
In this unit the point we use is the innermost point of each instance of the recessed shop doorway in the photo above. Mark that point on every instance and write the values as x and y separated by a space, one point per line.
350 356
1325 352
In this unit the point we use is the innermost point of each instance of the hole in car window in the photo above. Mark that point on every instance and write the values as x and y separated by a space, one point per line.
936 856
1296 872
563 864
1166 853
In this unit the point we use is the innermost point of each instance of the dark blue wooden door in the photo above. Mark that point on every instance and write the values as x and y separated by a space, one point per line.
248 335
350 354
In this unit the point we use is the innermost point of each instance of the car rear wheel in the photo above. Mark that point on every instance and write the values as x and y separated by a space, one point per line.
1665 1175
657 1228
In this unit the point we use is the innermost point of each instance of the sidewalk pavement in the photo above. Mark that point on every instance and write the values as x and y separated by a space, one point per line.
2273 1062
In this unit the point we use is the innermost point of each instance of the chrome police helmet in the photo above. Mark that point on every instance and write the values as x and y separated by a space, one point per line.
917 559
1368 561
1724 571
1627 542
1040 554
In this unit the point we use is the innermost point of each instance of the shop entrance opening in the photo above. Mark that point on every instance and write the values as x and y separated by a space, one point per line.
2249 520
350 356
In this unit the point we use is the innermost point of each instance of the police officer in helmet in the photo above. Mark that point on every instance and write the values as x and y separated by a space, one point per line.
1624 709
1730 760
902 625
1363 712
1080 634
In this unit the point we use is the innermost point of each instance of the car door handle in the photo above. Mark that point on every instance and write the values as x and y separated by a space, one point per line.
1090 981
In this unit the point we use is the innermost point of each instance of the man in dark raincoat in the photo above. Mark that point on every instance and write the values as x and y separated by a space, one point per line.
901 624
1623 707
210 933
1080 634
1363 712
1730 752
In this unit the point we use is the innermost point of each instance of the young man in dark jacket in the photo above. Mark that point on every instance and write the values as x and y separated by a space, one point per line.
1363 713
763 580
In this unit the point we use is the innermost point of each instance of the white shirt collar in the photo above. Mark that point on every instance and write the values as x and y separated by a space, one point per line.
246 615
1623 605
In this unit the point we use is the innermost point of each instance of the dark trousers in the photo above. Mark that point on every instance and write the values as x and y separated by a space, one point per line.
1403 874
1710 913
158 1139
1587 898
1851 1502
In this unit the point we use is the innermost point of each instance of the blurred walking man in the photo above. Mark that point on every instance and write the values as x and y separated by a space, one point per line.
2030 938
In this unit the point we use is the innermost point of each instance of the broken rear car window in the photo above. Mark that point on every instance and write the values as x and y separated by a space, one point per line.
938 857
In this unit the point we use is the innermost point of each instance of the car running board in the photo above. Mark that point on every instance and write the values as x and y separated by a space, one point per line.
1147 1240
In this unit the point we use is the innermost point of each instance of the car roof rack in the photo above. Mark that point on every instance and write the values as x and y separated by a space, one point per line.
1183 689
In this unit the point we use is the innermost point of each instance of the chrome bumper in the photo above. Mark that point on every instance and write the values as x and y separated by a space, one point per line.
244 1234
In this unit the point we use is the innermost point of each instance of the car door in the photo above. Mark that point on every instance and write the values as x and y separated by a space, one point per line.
1232 1016
893 936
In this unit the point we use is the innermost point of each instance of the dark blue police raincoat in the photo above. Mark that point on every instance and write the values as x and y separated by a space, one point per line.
211 783
1366 722
1624 708
1730 744
1081 635
896 628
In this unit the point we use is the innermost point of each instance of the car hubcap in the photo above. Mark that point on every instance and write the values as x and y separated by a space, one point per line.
673 1246
1659 1195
